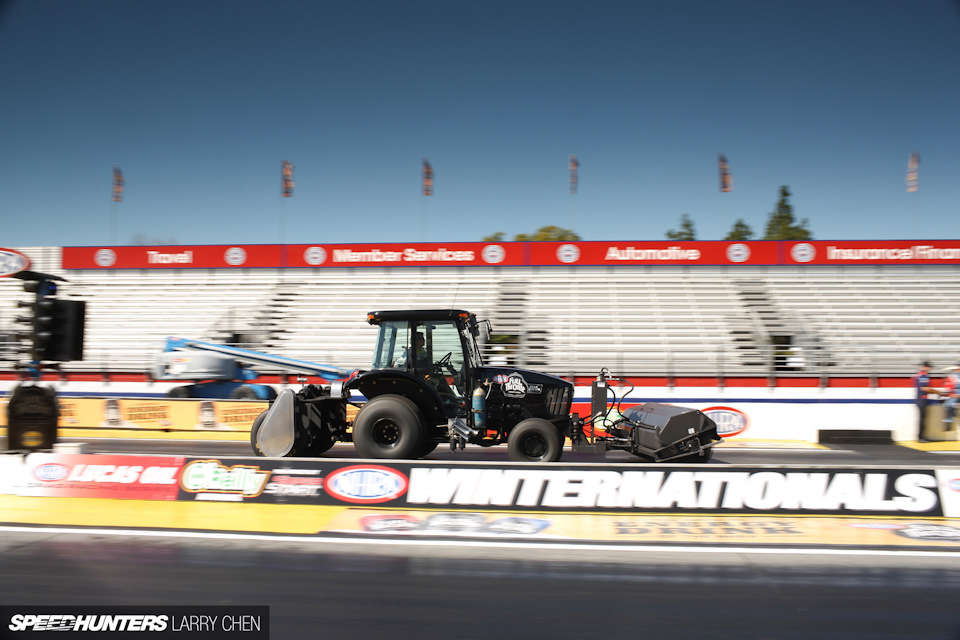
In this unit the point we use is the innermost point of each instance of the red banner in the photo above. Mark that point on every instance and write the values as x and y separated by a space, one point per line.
872 252
471 254
656 253
180 257
73 475
479 254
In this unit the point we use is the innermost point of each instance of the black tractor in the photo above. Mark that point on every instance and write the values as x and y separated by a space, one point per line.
428 385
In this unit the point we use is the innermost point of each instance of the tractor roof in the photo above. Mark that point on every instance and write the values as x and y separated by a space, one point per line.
376 317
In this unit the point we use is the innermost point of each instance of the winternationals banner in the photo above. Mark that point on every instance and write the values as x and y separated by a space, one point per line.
479 254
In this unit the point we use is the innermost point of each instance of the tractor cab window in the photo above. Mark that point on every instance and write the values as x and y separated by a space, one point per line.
390 341
446 358
432 349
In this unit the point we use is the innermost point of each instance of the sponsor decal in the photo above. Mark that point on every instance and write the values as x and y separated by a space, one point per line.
730 422
500 378
803 252
288 483
408 254
235 256
101 476
105 257
52 472
733 528
211 480
515 386
389 524
930 532
12 262
815 491
453 523
568 253
954 485
362 484
916 253
738 252
315 256
493 254
156 257
652 255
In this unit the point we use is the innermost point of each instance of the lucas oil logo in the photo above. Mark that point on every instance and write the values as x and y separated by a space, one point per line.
730 422
366 484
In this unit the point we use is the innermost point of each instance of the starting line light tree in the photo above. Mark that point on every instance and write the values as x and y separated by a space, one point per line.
56 326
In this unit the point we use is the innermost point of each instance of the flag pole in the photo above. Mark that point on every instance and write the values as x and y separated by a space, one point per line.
286 191
427 191
117 198
726 185
574 167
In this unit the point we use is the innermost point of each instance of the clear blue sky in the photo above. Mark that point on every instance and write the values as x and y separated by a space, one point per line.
199 101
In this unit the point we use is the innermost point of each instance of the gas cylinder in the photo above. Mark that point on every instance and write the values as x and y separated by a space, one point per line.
479 406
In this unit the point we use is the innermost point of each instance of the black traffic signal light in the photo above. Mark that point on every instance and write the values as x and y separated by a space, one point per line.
56 325
66 331
41 320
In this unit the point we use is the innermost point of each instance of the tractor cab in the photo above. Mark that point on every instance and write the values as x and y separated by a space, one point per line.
435 349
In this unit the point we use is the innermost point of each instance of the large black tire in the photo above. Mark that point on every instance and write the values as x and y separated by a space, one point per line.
318 442
389 427
428 447
254 430
179 392
535 440
243 393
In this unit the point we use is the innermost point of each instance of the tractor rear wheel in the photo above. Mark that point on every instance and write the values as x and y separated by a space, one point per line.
389 427
535 440
255 430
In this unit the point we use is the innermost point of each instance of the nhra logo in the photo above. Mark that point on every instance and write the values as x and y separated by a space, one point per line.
730 422
51 472
12 262
366 485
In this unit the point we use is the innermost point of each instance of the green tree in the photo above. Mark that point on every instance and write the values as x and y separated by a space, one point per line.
781 225
740 231
686 231
543 234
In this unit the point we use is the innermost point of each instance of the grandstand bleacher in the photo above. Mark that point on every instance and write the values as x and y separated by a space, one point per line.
568 320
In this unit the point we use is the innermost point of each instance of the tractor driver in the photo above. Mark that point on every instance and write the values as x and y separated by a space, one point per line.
422 357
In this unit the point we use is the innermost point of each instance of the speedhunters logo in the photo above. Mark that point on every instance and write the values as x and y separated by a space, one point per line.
183 623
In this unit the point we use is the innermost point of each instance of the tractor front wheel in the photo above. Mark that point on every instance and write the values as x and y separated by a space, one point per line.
535 440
